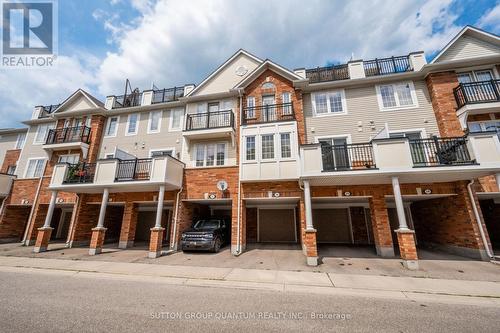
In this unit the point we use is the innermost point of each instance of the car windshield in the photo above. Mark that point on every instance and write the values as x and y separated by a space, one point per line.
207 224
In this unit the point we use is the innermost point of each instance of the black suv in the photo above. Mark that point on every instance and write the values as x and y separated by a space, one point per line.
207 234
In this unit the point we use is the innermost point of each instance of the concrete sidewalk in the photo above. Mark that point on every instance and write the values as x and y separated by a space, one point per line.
267 279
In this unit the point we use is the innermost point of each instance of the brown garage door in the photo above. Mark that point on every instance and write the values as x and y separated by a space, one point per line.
277 225
332 225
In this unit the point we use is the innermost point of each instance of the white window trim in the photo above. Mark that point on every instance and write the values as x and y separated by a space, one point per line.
136 130
329 113
17 140
336 136
397 107
149 131
162 149
226 149
49 127
181 122
256 147
474 69
292 149
482 123
77 156
28 163
423 132
107 126
276 147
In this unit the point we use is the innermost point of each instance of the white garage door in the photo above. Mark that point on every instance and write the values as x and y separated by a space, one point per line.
277 225
332 225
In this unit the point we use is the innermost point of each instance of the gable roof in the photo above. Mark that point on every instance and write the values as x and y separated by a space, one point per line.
80 92
268 64
470 31
221 67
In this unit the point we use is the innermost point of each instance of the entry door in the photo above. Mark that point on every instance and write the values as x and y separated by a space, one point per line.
269 111
64 222
332 225
277 225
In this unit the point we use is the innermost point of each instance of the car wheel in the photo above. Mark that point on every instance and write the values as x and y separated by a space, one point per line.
217 245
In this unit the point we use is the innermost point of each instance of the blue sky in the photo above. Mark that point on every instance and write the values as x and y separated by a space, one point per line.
174 42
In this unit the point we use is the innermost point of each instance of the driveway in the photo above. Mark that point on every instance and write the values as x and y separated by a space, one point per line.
334 259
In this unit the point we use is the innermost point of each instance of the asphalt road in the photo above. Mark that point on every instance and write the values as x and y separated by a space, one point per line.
40 301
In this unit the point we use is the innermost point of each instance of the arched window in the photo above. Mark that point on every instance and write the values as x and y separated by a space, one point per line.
268 85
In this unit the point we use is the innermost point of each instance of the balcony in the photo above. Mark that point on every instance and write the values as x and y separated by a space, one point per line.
477 98
119 175
268 114
384 66
68 138
5 184
423 160
144 98
329 73
167 95
209 125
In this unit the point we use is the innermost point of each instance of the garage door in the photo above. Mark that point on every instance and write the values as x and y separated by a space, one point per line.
332 225
277 225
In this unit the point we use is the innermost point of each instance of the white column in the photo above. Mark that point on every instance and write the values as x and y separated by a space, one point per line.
497 176
104 205
399 204
159 210
307 204
50 211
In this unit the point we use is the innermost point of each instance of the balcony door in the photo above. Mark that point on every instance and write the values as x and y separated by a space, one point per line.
213 108
335 154
477 85
268 109
418 148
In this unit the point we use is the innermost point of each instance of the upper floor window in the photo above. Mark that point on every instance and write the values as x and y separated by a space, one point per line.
286 146
250 148
250 113
42 132
111 126
71 159
212 154
395 96
267 146
132 124
34 168
161 152
21 138
474 76
268 85
331 102
286 98
11 170
154 123
176 119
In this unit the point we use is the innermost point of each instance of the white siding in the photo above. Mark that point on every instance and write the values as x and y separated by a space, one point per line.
30 150
7 142
362 107
467 47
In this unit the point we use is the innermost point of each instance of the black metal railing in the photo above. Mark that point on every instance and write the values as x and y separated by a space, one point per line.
47 110
167 95
268 113
440 152
346 157
68 134
477 92
80 173
329 73
218 119
137 169
127 101
390 65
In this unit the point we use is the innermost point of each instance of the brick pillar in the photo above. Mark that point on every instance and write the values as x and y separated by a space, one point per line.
242 226
42 239
129 223
85 219
97 240
311 247
407 248
440 86
155 243
381 227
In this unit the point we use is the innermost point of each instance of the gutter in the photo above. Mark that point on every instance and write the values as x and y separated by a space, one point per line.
174 240
238 225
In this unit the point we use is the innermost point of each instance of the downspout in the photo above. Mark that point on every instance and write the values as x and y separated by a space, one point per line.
176 214
478 220
238 224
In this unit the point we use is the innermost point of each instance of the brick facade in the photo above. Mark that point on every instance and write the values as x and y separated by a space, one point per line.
10 159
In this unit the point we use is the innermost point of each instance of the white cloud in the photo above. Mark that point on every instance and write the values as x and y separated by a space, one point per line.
491 20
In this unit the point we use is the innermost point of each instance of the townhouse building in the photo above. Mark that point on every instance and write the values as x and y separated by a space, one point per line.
392 153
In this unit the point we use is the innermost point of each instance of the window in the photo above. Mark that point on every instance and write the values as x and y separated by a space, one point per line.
268 85
201 108
332 102
163 152
34 168
250 114
110 155
286 98
71 159
250 148
483 75
154 123
210 154
286 147
176 119
21 138
42 132
11 170
409 135
267 146
132 124
475 76
400 95
112 126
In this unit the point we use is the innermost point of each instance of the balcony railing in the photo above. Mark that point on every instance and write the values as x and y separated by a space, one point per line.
477 92
81 173
47 110
137 169
127 101
385 66
209 120
330 73
440 152
347 157
167 95
268 113
68 134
